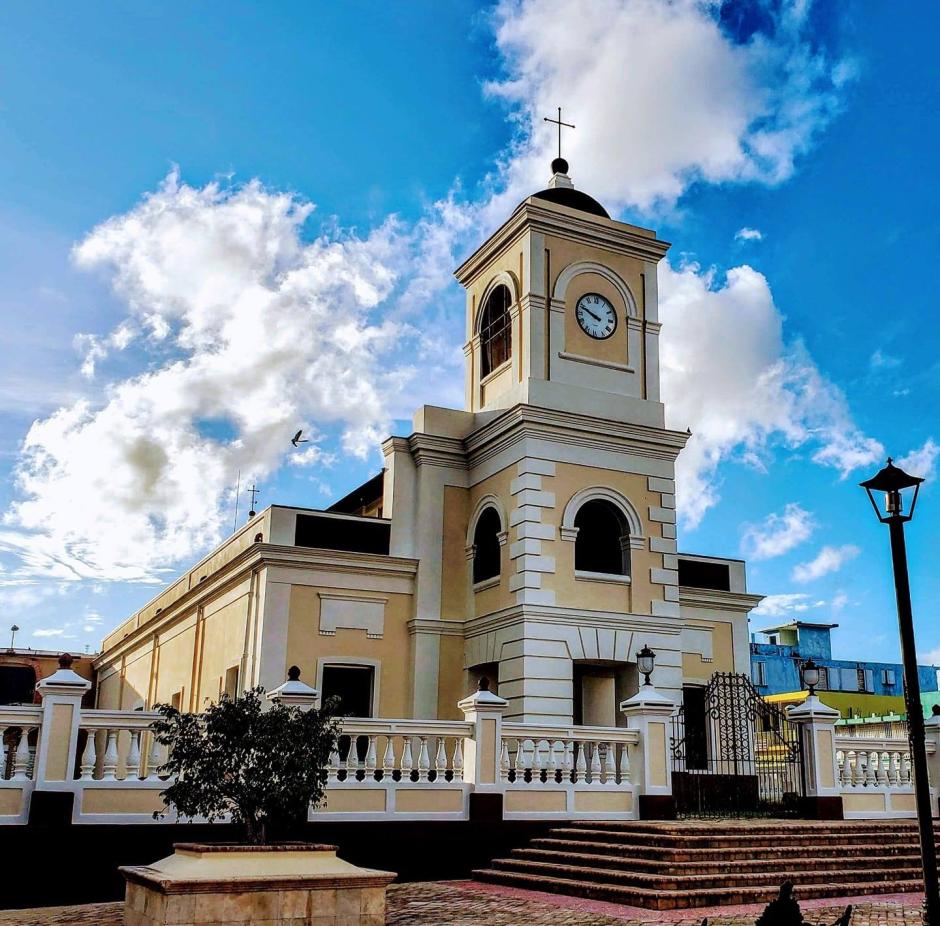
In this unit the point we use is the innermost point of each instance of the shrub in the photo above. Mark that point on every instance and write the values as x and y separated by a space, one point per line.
263 768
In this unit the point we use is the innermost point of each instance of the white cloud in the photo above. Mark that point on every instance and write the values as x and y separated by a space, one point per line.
48 632
839 601
879 360
748 234
233 316
661 94
922 461
778 533
786 604
829 559
728 374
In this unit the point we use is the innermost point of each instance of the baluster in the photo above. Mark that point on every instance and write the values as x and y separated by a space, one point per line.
424 760
856 768
624 764
580 768
841 765
551 765
31 765
133 756
3 753
882 770
520 761
440 761
89 757
871 778
407 760
154 759
371 759
21 757
537 763
503 761
595 763
109 765
333 771
457 760
895 770
388 759
906 773
568 760
610 765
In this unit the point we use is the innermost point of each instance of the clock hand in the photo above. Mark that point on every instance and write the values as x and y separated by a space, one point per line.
596 318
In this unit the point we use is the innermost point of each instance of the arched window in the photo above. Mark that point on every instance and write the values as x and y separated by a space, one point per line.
486 546
603 541
496 330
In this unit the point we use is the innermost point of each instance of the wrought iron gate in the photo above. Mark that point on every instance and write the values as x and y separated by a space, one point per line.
734 754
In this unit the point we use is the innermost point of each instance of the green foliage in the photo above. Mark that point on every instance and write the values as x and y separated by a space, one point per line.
262 767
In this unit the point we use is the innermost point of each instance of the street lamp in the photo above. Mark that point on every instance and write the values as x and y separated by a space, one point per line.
645 660
13 631
811 676
901 489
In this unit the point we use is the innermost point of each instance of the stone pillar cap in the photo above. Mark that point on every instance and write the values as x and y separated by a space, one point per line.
293 691
812 709
483 699
648 699
63 678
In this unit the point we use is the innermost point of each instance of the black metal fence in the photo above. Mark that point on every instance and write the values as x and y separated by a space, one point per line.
735 754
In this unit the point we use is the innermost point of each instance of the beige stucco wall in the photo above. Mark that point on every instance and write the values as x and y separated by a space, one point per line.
454 564
613 348
306 645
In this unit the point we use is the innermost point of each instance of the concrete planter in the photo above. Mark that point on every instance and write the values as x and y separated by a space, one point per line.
287 884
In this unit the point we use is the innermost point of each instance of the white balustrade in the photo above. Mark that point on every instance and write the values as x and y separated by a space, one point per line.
411 750
867 762
116 744
541 755
20 729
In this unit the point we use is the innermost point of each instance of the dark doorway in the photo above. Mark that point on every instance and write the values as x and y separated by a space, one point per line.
352 685
696 737
17 684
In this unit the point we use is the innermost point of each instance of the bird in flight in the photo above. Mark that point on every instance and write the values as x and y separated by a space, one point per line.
296 439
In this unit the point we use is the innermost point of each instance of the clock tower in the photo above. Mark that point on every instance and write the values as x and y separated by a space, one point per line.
562 310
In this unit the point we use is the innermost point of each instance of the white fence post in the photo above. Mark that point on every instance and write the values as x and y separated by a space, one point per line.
932 727
649 712
823 799
483 750
62 694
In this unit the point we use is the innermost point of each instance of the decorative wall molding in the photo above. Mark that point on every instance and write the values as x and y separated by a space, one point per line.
352 612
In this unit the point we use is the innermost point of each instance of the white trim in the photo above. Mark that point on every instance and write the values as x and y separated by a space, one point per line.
487 501
634 524
590 266
501 278
613 577
596 361
375 664
491 582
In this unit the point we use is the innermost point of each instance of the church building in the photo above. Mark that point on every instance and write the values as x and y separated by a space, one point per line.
529 537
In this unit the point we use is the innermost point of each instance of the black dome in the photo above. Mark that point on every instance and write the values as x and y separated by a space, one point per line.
573 199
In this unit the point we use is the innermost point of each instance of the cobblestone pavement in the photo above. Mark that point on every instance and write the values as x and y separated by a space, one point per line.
462 903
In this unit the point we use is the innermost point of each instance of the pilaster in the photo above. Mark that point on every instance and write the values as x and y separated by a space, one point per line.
817 721
649 713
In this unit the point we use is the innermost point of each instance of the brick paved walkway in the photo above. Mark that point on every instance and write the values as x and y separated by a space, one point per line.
462 903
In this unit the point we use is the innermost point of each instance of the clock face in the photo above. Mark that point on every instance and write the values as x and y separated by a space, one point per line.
596 316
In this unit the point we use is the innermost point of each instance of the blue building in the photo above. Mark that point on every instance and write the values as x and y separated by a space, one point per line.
856 689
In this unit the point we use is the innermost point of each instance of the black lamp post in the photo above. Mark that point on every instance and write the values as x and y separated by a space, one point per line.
897 486
811 676
645 660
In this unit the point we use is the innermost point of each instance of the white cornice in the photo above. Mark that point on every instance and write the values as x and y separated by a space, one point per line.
256 557
717 599
442 628
533 215
525 421
570 617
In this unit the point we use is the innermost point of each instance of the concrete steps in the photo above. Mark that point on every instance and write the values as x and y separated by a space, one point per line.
667 866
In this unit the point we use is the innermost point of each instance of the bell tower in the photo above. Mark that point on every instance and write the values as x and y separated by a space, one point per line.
562 310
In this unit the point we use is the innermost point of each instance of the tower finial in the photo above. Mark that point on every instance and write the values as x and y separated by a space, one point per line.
559 165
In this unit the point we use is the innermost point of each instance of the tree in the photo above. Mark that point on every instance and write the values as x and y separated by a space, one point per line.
262 767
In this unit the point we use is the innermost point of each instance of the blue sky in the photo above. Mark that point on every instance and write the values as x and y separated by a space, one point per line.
144 364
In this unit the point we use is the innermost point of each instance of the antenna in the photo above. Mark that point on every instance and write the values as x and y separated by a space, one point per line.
238 488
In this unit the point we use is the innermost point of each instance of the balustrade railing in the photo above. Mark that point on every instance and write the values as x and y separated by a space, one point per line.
536 756
19 737
873 763
398 750
118 746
